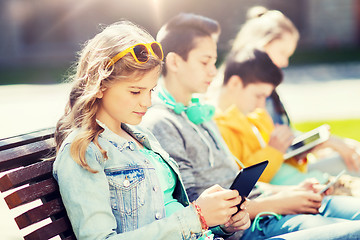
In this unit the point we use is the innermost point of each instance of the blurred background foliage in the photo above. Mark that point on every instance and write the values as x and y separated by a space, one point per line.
41 37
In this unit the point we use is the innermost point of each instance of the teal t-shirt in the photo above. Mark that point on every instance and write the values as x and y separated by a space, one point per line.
167 180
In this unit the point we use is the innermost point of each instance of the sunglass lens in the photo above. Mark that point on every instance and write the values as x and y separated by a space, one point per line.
157 50
141 53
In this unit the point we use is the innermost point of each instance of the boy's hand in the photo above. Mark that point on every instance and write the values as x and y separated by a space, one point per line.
239 221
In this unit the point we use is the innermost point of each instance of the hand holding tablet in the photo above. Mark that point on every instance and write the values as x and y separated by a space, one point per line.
247 178
332 182
307 141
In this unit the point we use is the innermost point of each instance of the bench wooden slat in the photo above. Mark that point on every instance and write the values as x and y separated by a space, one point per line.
50 230
31 193
31 179
40 213
23 139
25 175
70 238
26 154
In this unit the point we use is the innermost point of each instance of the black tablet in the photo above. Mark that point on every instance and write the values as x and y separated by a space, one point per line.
247 178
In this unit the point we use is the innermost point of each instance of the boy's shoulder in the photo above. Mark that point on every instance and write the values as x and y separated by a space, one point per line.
159 114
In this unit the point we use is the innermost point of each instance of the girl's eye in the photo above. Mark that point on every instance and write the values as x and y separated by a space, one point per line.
135 93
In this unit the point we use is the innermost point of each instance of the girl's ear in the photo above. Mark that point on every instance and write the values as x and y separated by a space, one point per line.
100 93
172 61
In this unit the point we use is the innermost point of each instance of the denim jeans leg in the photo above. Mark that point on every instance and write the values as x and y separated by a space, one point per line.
341 207
290 223
337 231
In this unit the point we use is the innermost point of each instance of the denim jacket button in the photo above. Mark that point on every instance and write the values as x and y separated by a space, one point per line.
131 146
157 216
193 236
126 183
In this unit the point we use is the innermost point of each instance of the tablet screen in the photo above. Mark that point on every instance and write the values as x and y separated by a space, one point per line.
247 178
308 140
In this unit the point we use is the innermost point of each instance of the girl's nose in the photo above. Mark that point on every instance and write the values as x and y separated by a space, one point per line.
146 100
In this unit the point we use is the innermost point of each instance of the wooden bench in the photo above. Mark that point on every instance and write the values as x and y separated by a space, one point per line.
28 160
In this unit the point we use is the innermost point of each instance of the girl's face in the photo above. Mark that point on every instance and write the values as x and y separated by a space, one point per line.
281 49
126 101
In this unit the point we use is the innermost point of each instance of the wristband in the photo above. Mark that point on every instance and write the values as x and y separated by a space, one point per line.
204 225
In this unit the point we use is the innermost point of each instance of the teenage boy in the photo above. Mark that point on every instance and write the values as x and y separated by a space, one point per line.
187 132
250 77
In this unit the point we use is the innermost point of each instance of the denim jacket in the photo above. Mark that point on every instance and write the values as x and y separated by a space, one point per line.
123 200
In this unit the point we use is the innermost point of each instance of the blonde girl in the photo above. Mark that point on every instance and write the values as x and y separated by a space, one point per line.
115 180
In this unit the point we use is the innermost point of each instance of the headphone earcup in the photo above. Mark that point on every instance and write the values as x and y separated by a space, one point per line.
194 113
198 113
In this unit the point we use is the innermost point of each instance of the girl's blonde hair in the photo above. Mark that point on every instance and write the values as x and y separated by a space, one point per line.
262 27
93 76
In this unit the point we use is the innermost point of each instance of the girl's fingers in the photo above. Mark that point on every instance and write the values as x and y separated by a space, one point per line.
215 188
233 210
220 192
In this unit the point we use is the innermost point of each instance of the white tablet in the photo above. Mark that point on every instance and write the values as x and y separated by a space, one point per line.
307 141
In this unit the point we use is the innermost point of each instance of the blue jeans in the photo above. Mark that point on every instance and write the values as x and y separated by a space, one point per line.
345 230
334 210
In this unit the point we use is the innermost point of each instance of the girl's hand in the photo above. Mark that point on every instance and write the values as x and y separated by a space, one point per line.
350 154
218 205
308 184
348 149
313 185
240 221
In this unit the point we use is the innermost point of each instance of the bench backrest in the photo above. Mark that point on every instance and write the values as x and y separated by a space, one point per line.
29 178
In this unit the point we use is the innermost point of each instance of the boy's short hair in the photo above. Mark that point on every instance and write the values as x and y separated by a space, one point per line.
178 35
252 66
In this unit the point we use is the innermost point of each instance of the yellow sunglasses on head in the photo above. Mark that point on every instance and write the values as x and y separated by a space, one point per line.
140 52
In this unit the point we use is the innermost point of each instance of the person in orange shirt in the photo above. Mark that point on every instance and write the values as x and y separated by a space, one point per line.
250 77
277 35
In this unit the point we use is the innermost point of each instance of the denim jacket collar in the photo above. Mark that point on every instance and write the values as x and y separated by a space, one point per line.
111 136
139 136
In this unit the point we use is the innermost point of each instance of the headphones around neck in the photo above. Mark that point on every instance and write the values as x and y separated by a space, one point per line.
196 112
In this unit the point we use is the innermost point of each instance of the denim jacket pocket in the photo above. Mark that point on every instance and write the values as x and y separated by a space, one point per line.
127 189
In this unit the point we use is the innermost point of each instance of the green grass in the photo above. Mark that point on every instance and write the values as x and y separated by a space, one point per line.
331 55
314 56
349 128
